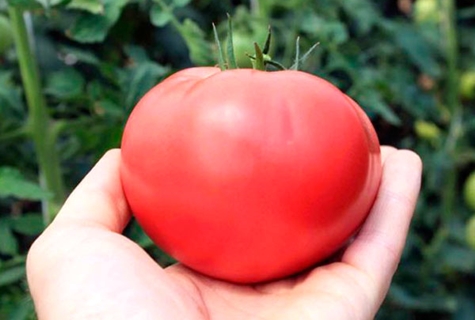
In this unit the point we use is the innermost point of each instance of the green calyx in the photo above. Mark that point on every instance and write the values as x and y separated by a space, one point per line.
261 58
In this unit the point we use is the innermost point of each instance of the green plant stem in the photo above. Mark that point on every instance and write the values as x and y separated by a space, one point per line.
452 99
449 191
38 118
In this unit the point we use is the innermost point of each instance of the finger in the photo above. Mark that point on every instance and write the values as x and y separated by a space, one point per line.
99 198
386 151
378 246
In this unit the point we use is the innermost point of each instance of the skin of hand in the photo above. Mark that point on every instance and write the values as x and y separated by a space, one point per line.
81 267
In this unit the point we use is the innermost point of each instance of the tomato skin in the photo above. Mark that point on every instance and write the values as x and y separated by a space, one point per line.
249 176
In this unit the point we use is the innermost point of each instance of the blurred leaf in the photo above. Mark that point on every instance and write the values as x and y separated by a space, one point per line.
458 258
466 307
328 32
8 243
363 14
14 184
23 310
81 55
11 275
429 302
24 4
92 6
11 103
95 90
195 38
418 49
50 3
108 108
136 54
65 84
136 233
180 3
160 17
139 79
30 224
371 100
90 28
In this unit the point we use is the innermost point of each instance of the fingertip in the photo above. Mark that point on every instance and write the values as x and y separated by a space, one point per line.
386 151
99 197
410 157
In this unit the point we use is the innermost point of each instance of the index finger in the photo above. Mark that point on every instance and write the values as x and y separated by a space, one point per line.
99 199
378 246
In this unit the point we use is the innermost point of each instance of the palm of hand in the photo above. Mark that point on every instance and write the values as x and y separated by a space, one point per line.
96 273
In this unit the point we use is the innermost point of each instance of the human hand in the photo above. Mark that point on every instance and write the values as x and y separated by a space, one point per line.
81 267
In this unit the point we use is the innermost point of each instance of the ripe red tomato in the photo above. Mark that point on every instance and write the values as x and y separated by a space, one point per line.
247 175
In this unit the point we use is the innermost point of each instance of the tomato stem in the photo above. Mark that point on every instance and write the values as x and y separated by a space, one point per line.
300 60
296 64
258 63
261 58
268 41
231 59
221 59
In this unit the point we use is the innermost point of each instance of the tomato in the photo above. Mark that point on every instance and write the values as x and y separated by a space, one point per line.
246 175
469 191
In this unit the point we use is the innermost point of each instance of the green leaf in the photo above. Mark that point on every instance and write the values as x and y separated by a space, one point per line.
109 108
372 100
14 184
362 13
81 55
50 3
180 3
92 6
12 275
400 297
136 54
24 310
330 31
24 4
90 28
160 17
195 38
11 102
30 224
65 84
458 258
8 242
417 48
140 78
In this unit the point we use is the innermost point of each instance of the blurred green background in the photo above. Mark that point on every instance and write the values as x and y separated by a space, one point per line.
72 70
